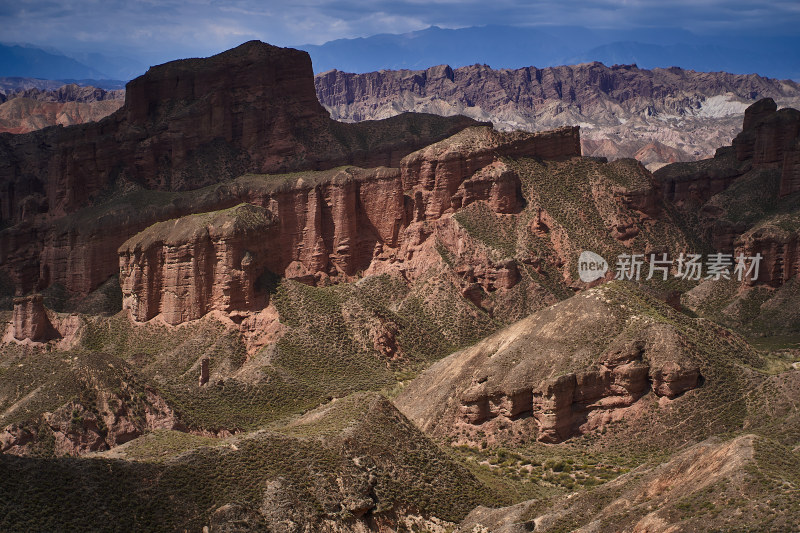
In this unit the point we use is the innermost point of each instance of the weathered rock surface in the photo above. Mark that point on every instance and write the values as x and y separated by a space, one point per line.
780 249
532 379
767 134
742 220
435 176
185 268
31 321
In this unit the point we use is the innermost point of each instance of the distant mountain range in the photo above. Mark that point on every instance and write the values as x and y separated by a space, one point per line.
497 46
658 116
512 47
29 61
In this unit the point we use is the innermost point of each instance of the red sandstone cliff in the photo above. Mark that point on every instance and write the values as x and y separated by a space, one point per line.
184 125
324 226
31 321
187 267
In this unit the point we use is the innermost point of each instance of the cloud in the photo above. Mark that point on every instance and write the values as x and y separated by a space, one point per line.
161 30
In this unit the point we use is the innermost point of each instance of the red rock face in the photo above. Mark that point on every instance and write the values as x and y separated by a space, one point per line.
790 173
696 183
326 226
31 321
766 136
183 269
436 175
573 403
770 140
184 125
780 250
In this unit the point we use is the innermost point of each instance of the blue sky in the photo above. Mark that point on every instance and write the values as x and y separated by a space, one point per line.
156 31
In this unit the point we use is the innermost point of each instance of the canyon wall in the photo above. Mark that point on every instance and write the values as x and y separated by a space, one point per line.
187 267
185 125
324 226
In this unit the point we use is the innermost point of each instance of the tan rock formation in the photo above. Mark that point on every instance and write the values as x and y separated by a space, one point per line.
531 378
23 115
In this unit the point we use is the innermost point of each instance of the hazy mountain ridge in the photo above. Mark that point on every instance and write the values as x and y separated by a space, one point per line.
547 46
32 61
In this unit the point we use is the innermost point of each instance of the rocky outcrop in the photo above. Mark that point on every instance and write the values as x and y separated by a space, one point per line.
696 183
30 320
184 125
766 149
183 269
790 173
528 380
779 249
435 176
576 402
767 134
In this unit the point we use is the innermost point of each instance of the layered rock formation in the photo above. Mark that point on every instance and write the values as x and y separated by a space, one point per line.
321 226
659 116
185 268
531 379
184 125
32 109
435 175
778 246
768 140
767 134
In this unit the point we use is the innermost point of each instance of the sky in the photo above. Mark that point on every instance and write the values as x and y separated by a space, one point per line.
156 31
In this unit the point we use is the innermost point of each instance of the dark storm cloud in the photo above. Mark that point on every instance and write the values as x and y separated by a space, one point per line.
160 30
